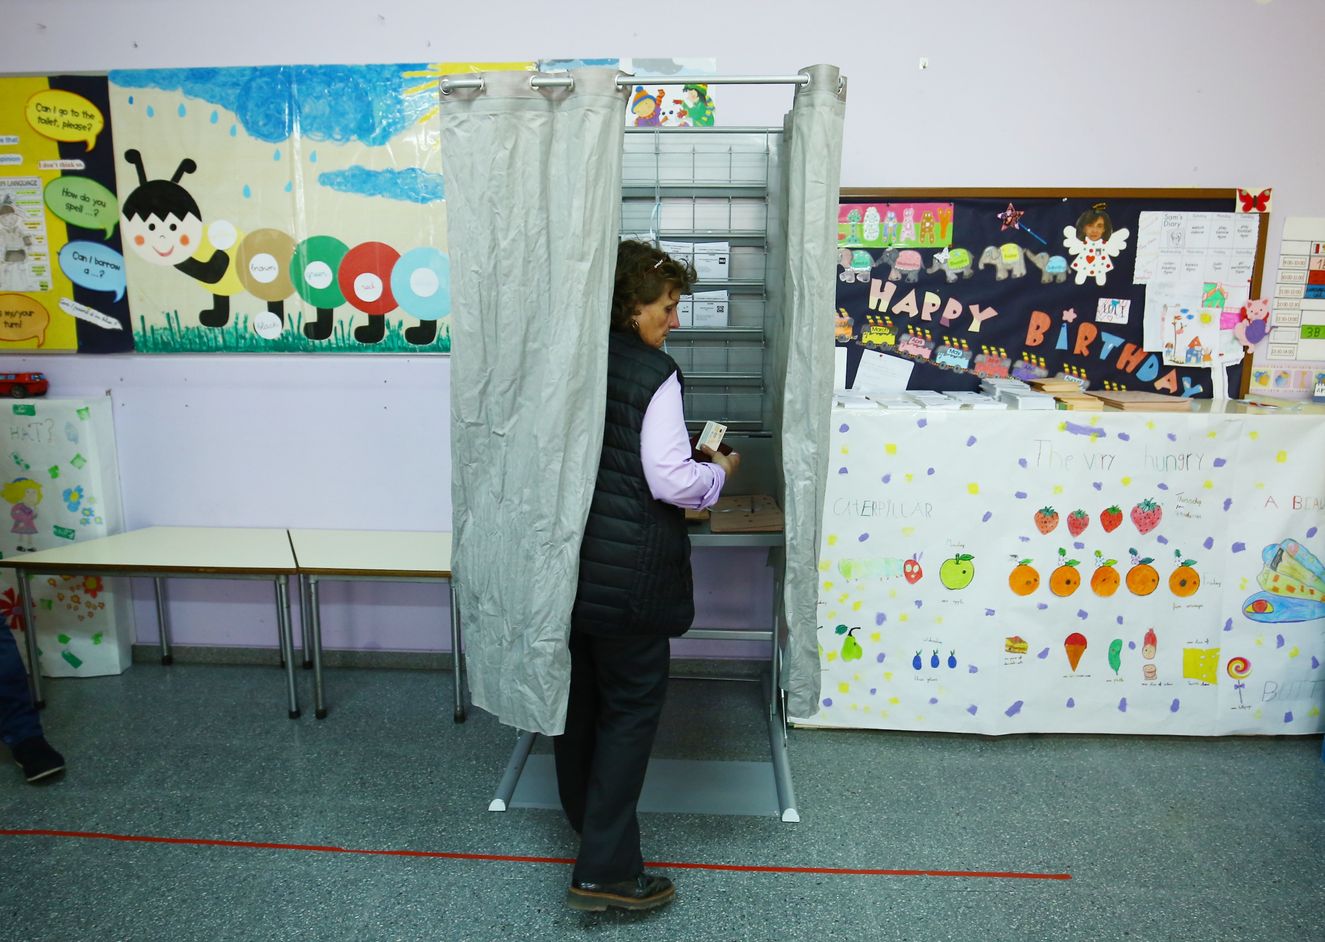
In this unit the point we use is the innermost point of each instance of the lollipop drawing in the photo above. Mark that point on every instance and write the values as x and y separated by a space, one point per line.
1011 219
1239 668
1075 645
1292 583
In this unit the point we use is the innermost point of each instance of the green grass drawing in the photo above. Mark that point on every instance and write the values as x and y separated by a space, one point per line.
238 337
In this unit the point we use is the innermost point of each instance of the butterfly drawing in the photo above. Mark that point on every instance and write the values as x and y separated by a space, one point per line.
1254 201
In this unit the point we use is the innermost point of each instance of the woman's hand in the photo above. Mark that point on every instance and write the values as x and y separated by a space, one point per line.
728 462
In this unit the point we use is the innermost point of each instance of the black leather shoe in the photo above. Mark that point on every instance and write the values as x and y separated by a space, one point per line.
643 892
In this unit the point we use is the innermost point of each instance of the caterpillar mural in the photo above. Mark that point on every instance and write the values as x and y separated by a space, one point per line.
162 224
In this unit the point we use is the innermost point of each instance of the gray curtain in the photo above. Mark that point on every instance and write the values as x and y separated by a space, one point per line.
533 193
801 360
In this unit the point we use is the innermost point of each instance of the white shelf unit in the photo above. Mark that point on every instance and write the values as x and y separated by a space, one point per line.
712 185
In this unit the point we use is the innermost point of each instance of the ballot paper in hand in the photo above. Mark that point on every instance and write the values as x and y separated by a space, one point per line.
882 374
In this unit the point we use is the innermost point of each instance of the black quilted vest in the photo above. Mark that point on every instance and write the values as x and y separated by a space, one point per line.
635 558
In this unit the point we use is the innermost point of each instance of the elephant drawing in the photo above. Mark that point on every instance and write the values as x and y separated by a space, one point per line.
906 264
953 262
1008 259
856 265
1053 268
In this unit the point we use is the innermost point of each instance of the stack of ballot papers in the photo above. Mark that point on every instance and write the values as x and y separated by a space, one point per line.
929 399
993 385
975 400
1030 399
852 399
899 402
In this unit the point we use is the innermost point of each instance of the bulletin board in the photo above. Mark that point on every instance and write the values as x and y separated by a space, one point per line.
968 283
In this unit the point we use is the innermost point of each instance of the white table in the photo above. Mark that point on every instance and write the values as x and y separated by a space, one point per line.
172 552
378 556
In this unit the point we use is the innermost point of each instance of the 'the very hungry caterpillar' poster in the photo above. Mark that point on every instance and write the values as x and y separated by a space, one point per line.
283 208
1121 573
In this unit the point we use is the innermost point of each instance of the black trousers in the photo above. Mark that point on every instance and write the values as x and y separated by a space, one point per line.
617 688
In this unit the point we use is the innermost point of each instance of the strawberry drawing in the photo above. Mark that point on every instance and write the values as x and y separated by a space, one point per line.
1046 518
1077 521
1146 515
1111 518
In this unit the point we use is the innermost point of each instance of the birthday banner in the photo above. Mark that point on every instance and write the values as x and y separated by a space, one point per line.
1127 573
1116 291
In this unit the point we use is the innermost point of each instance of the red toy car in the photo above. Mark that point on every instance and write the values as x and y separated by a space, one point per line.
19 385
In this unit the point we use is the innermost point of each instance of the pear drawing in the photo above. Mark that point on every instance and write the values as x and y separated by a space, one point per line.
1116 654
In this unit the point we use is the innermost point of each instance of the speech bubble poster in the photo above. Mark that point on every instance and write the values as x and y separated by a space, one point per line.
283 208
61 263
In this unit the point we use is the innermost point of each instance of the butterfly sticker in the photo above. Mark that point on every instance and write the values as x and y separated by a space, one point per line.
1254 201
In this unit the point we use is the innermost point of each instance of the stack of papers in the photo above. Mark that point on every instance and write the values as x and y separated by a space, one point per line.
1028 400
1079 403
928 399
975 400
712 260
996 386
898 403
1054 384
1139 401
703 309
852 399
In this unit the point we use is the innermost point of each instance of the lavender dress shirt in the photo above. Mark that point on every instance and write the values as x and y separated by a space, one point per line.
673 475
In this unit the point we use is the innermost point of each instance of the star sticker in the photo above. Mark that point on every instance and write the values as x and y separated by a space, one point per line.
1069 315
1011 217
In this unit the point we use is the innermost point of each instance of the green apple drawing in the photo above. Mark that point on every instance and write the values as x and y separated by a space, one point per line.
957 573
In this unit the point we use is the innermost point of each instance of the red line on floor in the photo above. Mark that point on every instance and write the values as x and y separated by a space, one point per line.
512 858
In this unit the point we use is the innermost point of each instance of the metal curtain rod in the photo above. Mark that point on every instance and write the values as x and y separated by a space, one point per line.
626 81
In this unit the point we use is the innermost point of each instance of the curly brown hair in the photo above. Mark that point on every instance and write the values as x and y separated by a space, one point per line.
642 274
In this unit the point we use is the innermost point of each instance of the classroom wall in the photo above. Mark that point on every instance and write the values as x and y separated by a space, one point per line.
1015 93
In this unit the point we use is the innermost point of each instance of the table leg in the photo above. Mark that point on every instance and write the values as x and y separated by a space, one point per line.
159 589
305 624
313 624
457 656
287 641
34 662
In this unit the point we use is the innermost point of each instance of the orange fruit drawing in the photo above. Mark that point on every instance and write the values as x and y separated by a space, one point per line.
1142 579
1105 580
1024 578
1184 581
1065 580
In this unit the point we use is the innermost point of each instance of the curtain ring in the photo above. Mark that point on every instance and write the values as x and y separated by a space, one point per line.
570 78
446 88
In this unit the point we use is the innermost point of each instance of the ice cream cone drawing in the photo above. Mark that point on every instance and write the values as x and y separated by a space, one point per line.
1075 645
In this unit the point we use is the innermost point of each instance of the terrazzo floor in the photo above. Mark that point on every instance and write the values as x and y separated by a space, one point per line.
1018 838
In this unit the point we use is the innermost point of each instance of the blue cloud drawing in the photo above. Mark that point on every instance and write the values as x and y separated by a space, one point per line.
337 103
411 185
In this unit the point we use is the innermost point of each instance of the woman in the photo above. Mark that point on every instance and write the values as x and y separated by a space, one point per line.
635 590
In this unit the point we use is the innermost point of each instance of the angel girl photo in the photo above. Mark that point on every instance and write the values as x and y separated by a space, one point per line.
1094 243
